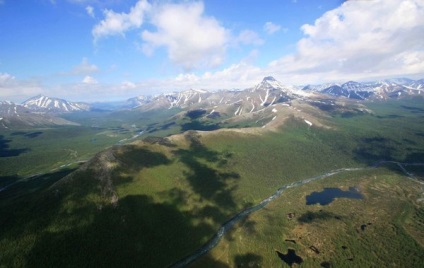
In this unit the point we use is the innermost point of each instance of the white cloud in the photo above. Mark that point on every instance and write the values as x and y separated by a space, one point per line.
84 68
118 23
6 78
191 38
94 92
360 39
128 85
248 37
89 80
90 11
271 28
236 76
252 56
15 90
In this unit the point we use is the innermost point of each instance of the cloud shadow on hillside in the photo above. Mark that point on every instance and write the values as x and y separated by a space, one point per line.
71 229
311 216
248 260
209 182
138 232
5 150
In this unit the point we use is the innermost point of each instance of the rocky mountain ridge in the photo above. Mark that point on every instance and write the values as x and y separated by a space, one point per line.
43 110
45 104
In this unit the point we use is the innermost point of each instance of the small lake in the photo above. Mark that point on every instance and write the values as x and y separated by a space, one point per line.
328 195
290 258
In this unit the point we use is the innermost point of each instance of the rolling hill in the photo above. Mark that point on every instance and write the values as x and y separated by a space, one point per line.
156 201
218 179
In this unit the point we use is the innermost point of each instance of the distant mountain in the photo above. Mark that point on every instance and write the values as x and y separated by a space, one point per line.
187 98
351 90
268 83
319 87
183 99
270 91
400 81
228 102
109 106
386 89
397 88
8 108
14 115
42 103
418 84
137 101
236 102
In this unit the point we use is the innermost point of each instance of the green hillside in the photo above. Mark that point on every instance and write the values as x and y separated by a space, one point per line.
152 202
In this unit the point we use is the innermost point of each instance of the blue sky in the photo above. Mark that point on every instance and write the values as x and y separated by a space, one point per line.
90 50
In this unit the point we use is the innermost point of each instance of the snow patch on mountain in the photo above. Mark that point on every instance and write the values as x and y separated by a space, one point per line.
42 103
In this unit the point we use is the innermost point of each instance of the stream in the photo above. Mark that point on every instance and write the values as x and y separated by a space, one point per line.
226 226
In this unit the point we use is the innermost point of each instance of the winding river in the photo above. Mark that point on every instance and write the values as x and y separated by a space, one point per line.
226 226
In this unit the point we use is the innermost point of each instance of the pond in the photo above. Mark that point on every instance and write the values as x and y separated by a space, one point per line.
329 194
290 258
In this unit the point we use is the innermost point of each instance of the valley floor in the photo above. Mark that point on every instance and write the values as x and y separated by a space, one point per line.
155 201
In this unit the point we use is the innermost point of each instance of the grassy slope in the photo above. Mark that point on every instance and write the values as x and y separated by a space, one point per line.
52 148
389 203
173 197
394 132
29 151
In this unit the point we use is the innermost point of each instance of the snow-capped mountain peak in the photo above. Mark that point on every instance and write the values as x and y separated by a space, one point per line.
8 108
138 101
42 103
14 115
352 85
389 88
268 83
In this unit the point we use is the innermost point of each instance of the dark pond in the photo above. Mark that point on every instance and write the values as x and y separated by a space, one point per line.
325 264
363 226
329 194
290 258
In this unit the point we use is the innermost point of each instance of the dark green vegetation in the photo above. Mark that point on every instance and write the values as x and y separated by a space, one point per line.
371 232
151 203
24 152
30 151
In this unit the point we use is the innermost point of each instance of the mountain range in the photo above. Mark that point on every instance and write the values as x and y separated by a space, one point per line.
201 172
15 115
45 104
43 110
